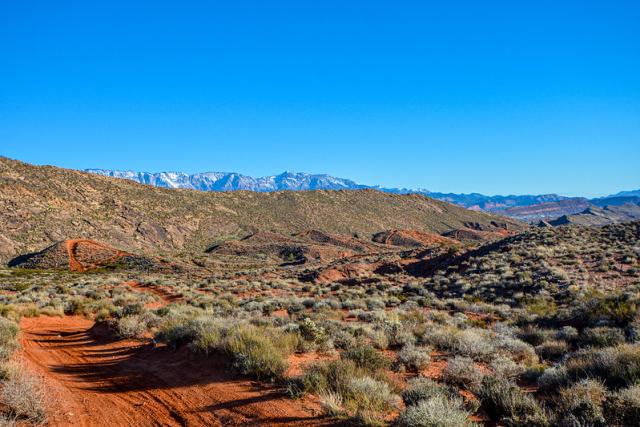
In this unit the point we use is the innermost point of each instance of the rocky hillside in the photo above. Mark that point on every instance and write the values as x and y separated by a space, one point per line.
595 216
539 263
41 205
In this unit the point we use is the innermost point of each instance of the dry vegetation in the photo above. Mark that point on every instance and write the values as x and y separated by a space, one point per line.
351 302
537 329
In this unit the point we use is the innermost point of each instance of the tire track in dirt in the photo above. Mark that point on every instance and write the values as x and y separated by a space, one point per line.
97 380
166 296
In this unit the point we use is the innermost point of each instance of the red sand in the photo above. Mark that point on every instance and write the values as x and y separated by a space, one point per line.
96 380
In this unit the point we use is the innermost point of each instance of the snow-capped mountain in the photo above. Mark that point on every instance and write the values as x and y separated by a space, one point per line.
230 181
541 206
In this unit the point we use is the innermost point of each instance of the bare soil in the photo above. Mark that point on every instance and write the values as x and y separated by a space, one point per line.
97 380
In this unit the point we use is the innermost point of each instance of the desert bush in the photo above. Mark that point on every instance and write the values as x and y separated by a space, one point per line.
436 411
422 388
514 348
553 378
414 358
398 334
254 353
77 305
503 400
176 330
132 309
332 375
257 351
130 327
602 336
24 397
568 334
552 349
533 372
332 403
616 366
378 338
8 338
462 371
368 399
581 404
622 408
343 339
314 334
474 343
505 367
348 388
206 333
366 357
533 335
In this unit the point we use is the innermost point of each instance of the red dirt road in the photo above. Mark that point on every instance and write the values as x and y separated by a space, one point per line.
95 380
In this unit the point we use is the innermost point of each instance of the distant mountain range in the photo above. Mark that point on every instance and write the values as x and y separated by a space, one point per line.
525 207
231 181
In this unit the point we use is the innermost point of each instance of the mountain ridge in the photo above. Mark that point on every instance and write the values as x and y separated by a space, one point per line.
526 207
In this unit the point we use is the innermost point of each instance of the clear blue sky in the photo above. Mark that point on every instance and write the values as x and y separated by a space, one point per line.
488 96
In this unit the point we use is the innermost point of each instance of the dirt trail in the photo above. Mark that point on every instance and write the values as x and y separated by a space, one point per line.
96 380
75 265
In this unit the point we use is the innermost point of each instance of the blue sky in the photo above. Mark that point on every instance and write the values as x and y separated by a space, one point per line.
494 97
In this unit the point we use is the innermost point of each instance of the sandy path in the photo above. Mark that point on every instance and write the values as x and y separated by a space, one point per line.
98 381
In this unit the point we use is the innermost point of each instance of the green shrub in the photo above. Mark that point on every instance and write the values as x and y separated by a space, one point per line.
474 343
366 357
176 331
332 375
255 354
77 306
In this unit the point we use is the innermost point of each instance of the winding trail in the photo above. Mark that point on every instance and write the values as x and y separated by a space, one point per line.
96 380
71 247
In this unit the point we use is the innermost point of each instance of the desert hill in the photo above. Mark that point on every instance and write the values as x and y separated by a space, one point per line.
410 238
537 263
41 205
82 255
596 216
